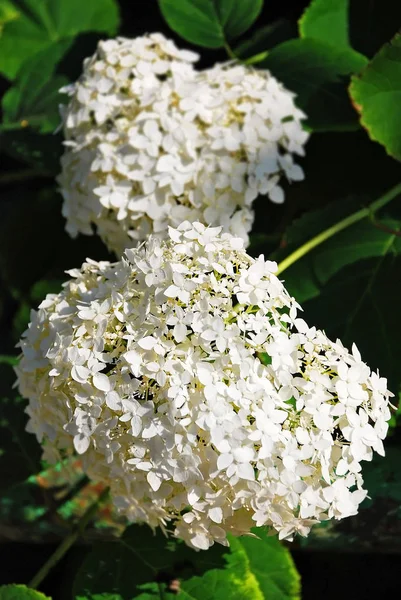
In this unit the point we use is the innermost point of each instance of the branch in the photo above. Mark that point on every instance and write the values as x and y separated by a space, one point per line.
69 540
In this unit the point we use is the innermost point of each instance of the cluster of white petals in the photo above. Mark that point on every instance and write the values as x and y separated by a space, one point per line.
151 142
185 380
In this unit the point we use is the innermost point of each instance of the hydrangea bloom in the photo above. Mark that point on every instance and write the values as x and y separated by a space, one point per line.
188 384
151 142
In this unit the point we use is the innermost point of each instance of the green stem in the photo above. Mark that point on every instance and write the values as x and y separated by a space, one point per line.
334 229
256 58
68 541
230 51
29 121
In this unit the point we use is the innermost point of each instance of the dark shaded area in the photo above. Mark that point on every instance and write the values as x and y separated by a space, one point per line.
325 575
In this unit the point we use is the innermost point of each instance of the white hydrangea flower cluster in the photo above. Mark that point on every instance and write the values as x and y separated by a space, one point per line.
152 142
188 384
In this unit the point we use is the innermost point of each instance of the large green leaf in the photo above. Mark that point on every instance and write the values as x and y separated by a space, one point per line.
318 72
19 450
156 559
327 21
377 97
270 563
33 101
257 569
33 25
16 591
210 22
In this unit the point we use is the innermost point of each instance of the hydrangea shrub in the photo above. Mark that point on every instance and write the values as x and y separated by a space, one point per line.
151 142
188 383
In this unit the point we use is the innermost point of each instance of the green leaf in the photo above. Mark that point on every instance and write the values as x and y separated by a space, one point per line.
376 94
270 563
366 239
16 591
33 25
33 101
157 559
210 22
327 21
8 360
8 12
237 582
266 38
19 451
318 73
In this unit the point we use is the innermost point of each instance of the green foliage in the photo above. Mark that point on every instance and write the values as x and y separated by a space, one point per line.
210 23
157 559
317 72
254 569
34 98
370 237
376 95
266 38
270 563
20 592
30 26
327 21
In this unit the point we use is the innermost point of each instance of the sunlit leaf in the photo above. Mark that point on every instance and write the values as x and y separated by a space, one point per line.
326 20
20 592
33 25
210 23
377 97
33 101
